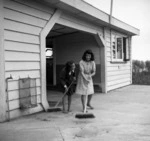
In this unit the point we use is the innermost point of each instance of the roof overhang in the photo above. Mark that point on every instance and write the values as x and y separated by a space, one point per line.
84 10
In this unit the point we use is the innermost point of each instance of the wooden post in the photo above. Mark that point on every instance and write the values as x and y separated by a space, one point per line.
130 55
101 42
2 67
43 35
54 62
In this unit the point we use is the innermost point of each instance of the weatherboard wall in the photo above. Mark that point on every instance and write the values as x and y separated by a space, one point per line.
118 74
23 22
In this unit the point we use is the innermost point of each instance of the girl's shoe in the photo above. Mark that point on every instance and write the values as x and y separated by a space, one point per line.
65 112
85 112
90 106
69 110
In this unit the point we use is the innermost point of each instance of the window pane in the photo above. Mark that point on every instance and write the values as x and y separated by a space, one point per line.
113 46
119 48
114 54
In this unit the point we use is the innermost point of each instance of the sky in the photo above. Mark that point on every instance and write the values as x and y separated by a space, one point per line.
136 14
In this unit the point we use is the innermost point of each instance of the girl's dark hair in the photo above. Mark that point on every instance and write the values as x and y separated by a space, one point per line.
88 52
69 65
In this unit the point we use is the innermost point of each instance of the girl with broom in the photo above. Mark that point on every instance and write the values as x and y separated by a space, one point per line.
67 77
85 82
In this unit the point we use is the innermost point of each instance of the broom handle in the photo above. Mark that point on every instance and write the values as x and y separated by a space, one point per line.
63 95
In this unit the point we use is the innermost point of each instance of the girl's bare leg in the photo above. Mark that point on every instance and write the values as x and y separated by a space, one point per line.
83 101
69 102
89 101
64 104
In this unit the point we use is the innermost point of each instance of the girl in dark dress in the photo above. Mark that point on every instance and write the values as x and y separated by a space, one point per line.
67 77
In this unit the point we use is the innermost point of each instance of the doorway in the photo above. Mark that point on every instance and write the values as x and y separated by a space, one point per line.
63 44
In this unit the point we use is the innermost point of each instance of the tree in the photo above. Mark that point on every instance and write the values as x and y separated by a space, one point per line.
136 65
142 65
147 65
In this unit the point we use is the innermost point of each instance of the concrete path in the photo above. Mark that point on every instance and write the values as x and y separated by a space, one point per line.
121 115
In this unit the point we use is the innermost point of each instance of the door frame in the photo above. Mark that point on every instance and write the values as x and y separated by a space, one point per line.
56 18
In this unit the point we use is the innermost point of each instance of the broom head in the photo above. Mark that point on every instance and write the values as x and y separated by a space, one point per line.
84 115
57 109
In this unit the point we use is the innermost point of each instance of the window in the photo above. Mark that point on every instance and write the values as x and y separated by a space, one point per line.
119 48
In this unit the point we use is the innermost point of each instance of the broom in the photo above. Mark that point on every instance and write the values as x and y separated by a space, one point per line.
56 108
84 114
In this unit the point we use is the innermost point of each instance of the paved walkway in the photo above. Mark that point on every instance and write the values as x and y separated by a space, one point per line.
121 115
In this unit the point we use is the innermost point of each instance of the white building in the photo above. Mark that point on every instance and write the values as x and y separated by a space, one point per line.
69 27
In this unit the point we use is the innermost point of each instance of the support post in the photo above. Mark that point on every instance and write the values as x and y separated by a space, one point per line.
54 62
101 42
130 48
2 67
43 35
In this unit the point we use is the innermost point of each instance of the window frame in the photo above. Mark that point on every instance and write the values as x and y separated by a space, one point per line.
124 47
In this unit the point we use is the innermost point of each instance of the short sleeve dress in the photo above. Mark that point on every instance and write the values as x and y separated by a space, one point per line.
86 69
